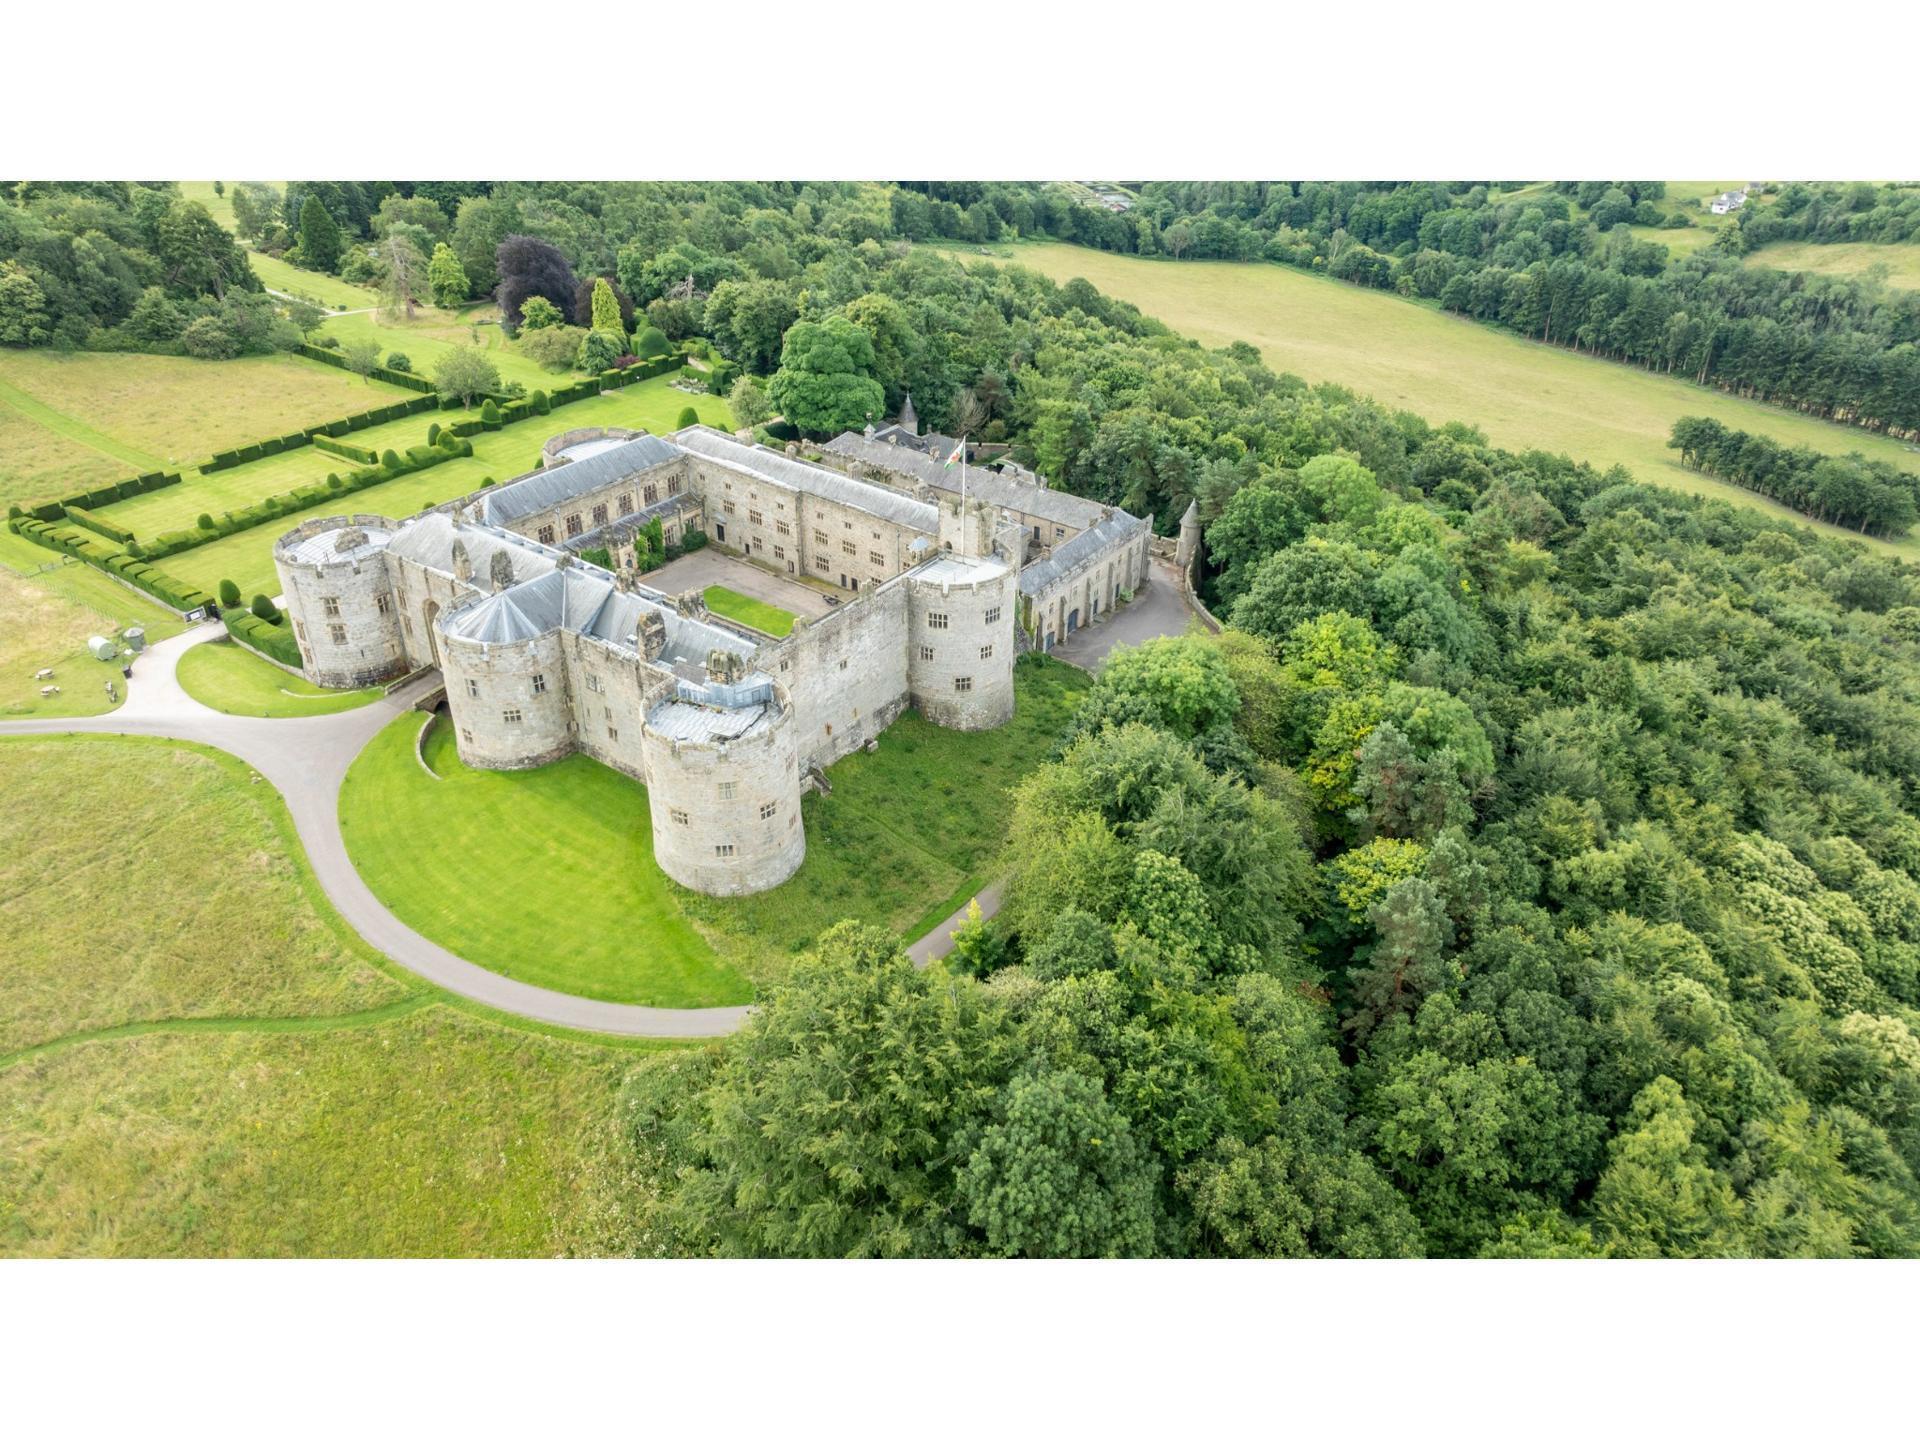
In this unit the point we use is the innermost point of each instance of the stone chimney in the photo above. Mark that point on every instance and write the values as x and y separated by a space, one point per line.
462 563
500 570
653 635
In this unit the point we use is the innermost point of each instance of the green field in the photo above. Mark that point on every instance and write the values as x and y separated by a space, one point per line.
329 292
756 614
1902 262
147 412
197 1057
247 558
46 616
238 682
546 875
1521 394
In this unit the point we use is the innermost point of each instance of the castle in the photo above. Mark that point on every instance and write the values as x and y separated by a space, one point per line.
543 654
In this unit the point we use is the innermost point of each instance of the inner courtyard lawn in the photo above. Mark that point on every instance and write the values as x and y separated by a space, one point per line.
198 1057
238 682
546 875
1521 394
155 411
501 455
767 619
45 619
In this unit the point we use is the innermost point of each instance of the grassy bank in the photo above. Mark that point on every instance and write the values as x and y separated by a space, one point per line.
237 682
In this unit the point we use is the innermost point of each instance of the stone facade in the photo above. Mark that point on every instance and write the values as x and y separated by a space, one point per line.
339 592
544 654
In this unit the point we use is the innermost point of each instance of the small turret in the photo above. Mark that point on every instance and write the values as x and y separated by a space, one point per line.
908 421
1189 545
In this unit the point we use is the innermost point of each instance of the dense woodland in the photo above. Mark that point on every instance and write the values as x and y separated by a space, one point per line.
1531 869
1870 496
1829 214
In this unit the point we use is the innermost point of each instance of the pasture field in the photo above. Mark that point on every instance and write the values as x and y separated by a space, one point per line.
238 682
151 412
546 875
247 558
220 206
1520 394
198 1058
768 619
37 460
45 619
1902 262
329 292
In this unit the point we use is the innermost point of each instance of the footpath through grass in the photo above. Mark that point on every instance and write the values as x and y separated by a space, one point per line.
199 1058
1521 394
238 682
767 619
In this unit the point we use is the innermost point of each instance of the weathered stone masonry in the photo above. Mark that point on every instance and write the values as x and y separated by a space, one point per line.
544 654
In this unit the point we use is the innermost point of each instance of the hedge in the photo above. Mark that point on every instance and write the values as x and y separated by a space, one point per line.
405 379
274 641
70 540
340 447
93 522
56 510
260 449
304 497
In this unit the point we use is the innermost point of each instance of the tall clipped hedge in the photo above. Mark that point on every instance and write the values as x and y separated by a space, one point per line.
56 510
275 641
313 434
405 379
100 553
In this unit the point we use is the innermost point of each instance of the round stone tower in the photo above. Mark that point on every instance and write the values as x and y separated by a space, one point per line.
723 785
339 593
508 698
1189 543
960 649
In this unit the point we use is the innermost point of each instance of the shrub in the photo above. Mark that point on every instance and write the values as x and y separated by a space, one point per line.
229 595
598 350
397 361
265 609
205 522
693 540
433 433
652 341
389 459
688 416
541 405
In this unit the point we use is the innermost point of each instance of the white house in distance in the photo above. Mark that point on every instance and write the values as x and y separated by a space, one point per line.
1727 201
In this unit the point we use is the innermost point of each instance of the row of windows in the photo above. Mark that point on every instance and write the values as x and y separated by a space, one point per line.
926 653
649 495
539 688
681 817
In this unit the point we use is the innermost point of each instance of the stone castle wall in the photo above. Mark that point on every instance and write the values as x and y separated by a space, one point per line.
726 815
960 650
343 612
846 673
511 703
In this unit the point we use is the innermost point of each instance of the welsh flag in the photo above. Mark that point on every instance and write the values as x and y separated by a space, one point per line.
959 453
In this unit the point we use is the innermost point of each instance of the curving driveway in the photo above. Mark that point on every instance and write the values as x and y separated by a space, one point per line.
306 759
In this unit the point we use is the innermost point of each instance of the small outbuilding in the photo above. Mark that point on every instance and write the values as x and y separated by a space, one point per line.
101 648
134 638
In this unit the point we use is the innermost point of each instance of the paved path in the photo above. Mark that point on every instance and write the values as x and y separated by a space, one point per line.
939 940
306 758
1160 609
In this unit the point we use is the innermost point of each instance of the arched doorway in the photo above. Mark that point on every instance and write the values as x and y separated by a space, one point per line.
1073 621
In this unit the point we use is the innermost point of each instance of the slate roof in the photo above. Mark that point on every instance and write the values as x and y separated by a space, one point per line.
1056 506
324 548
428 540
881 500
1084 549
546 488
678 720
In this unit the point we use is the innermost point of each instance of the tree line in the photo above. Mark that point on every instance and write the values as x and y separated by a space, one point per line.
1870 496
1831 214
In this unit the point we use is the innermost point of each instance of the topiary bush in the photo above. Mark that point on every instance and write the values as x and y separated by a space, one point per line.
265 609
229 595
398 361
688 416
433 433
205 522
389 459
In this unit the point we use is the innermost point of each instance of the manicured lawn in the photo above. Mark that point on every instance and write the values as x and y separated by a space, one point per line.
768 619
247 558
220 206
150 411
910 830
45 619
431 335
178 506
1520 394
1902 261
239 682
197 1057
546 875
